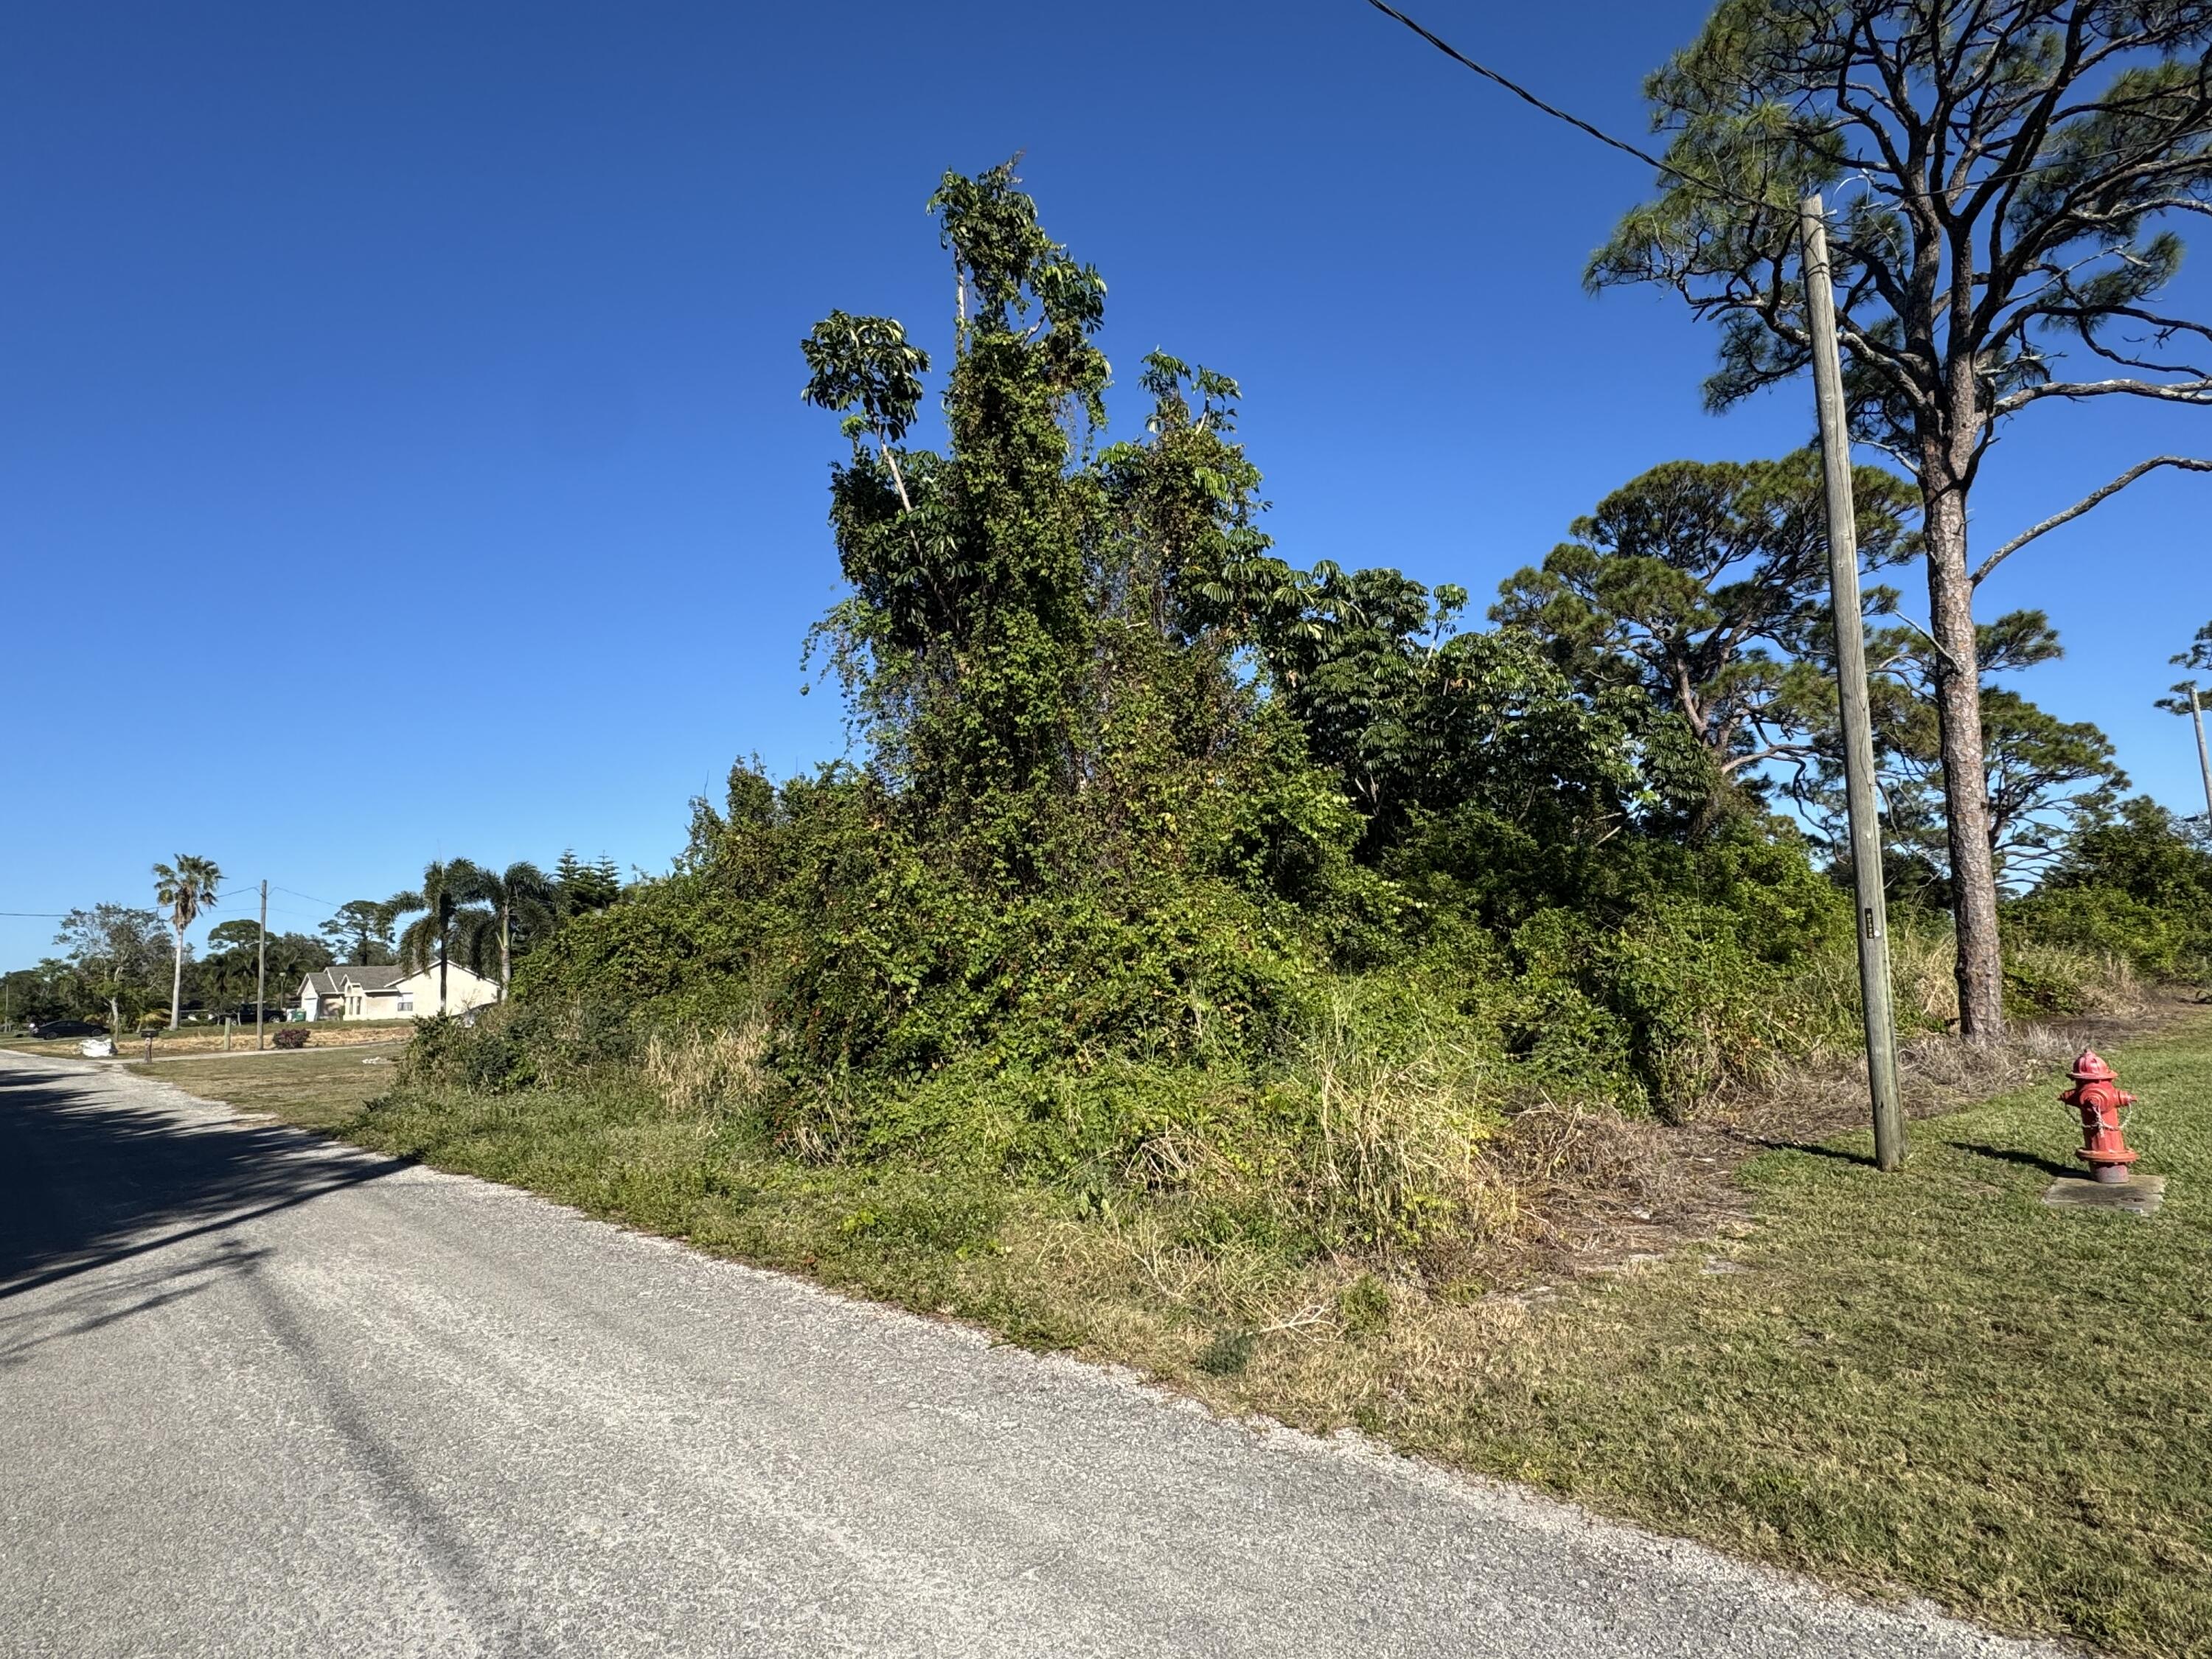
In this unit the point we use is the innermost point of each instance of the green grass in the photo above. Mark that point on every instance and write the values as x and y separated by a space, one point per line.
1927 1382
1929 1379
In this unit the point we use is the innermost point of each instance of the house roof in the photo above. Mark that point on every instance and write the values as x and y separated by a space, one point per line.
332 981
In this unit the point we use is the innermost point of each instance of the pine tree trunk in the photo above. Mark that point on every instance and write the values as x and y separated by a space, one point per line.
177 979
1966 783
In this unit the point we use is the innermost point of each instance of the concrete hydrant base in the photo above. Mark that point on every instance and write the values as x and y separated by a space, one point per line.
2140 1196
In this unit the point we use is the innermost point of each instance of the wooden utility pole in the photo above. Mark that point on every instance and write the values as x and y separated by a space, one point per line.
2204 757
261 966
1851 694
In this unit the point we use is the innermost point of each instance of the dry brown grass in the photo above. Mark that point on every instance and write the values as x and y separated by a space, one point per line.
1401 1143
210 1039
707 1071
316 1088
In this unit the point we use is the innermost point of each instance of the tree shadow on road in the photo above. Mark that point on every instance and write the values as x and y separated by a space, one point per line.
88 1175
81 1309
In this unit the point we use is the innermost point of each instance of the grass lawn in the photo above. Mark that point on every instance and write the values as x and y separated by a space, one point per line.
1927 1381
317 1088
1931 1379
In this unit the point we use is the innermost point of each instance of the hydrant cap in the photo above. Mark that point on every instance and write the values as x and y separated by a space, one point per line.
2090 1067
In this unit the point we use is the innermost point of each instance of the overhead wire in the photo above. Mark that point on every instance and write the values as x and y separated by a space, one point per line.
1530 98
1621 144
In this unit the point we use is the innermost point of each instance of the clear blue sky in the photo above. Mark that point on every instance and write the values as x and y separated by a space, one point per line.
400 448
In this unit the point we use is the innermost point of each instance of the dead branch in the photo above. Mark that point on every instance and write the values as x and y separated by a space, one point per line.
2188 463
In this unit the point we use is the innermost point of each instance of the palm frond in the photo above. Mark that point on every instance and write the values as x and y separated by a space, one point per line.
418 946
479 940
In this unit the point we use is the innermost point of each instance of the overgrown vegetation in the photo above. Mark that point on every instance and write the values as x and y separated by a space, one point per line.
1174 879
1246 971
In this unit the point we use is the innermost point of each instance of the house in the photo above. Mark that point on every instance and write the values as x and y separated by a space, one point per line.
359 992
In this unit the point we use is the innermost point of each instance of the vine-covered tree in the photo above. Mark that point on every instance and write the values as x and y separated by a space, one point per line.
966 643
1416 716
2010 173
186 888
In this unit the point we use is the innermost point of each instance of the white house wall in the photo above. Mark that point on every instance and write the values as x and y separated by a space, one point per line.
464 990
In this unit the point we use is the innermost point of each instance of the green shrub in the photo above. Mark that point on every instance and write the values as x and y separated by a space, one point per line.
2109 922
485 1055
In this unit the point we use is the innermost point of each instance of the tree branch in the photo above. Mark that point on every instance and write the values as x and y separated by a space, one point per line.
2187 463
2176 392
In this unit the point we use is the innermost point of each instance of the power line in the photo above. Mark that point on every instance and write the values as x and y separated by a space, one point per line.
1627 148
1528 97
38 915
1574 121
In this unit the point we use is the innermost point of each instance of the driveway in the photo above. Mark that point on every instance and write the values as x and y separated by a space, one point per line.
267 1395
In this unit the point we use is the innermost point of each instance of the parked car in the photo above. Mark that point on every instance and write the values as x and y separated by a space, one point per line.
69 1027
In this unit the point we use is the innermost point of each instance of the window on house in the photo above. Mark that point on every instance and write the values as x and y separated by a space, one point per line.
406 1002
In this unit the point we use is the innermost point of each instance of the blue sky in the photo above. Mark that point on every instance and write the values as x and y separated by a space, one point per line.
400 448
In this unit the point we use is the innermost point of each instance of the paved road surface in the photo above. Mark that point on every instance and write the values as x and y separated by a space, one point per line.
261 1395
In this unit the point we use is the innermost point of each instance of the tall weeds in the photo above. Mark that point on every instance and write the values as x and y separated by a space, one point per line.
1395 1151
713 1070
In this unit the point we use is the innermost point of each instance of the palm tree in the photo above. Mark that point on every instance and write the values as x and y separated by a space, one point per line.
444 898
522 900
187 887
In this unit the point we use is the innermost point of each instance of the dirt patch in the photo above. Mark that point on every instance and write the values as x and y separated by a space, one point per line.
1599 1192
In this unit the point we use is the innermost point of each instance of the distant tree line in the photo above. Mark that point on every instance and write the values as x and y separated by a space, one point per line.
125 965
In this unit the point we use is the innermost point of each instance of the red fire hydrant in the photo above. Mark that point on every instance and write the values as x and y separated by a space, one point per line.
2096 1094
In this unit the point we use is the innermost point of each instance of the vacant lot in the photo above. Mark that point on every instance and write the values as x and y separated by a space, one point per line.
316 1088
1929 1380
210 1039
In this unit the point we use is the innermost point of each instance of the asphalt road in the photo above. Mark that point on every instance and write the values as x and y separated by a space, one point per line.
262 1396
